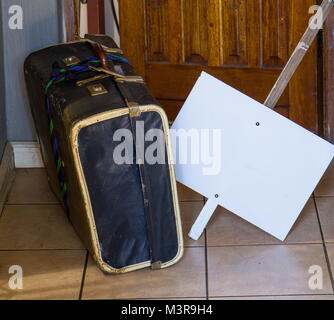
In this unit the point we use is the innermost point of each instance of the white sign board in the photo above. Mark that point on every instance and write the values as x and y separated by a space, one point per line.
268 165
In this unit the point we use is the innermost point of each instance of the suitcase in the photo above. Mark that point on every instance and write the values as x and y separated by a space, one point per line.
87 104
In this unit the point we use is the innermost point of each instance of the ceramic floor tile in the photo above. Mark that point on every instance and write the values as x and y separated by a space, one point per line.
185 279
186 194
326 185
330 250
189 213
46 274
226 228
306 297
177 299
325 207
265 270
31 186
36 227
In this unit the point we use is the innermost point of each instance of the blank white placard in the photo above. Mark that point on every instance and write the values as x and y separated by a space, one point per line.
269 165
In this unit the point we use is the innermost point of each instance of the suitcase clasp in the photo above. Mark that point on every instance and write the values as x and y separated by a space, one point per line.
134 109
112 50
69 61
95 78
122 79
97 89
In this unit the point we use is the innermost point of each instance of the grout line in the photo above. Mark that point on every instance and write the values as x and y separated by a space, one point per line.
189 247
24 250
276 295
324 246
265 244
2 210
206 259
163 298
6 200
206 267
83 275
58 203
32 168
324 196
34 204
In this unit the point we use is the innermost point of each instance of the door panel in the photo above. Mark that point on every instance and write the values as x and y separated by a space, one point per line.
245 43
235 50
275 33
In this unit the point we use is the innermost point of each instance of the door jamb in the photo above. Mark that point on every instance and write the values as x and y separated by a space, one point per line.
328 78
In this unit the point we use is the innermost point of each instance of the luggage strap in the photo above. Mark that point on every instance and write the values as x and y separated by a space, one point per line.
61 73
135 113
60 165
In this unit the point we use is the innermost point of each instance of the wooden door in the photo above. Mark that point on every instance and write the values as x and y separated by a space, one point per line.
328 68
245 43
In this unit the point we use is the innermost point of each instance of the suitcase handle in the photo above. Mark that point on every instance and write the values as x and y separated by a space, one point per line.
96 46
101 54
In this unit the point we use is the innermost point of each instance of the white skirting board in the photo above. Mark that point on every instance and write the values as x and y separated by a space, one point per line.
7 174
27 155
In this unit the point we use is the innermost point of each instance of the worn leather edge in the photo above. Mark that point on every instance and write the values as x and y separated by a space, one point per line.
84 189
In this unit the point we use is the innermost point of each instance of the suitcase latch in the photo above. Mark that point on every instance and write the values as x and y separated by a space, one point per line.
69 61
112 50
122 79
134 109
97 89
95 78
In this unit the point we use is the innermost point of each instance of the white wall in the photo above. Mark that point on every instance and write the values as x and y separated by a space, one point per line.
3 126
40 28
111 29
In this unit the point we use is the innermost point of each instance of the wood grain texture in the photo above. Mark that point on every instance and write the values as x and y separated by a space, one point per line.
303 85
196 31
160 77
329 78
235 38
296 58
157 30
172 108
96 23
275 32
133 32
175 28
245 43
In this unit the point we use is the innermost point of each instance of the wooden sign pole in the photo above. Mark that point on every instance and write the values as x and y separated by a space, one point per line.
299 53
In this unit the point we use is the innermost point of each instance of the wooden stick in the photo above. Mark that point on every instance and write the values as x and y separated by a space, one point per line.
76 9
298 55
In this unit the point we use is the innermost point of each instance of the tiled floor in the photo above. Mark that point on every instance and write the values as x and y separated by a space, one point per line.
233 259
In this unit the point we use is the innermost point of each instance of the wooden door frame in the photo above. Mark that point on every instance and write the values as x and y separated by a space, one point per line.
328 78
96 18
